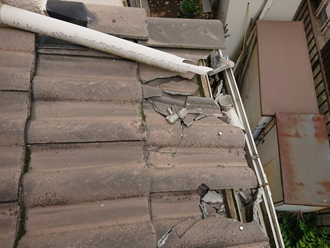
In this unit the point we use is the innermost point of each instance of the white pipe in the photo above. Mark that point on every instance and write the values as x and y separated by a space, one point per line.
33 22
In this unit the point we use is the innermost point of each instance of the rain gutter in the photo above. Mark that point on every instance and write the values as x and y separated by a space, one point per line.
252 153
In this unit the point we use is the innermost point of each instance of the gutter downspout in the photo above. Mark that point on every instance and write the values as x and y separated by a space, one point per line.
29 21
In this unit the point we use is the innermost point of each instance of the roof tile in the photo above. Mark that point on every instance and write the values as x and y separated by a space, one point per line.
72 174
222 232
148 73
173 205
100 213
140 234
84 67
11 158
60 122
17 40
84 89
14 108
119 21
9 213
196 34
16 68
177 179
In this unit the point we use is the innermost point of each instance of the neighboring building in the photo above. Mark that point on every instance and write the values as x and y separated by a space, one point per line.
282 97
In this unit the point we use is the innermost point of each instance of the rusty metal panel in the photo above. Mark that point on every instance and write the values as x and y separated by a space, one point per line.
305 160
286 79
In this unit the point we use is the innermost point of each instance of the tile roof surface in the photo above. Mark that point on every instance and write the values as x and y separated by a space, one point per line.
106 169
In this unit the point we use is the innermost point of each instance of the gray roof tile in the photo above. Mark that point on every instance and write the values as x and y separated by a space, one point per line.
72 174
17 40
82 52
116 223
85 89
123 22
149 91
107 212
173 205
84 67
9 179
222 232
67 122
141 234
14 108
196 34
9 213
12 159
17 59
148 73
177 179
193 55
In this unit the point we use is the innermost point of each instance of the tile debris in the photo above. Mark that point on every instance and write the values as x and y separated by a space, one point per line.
184 87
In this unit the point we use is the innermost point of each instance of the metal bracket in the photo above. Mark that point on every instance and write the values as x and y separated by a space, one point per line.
219 63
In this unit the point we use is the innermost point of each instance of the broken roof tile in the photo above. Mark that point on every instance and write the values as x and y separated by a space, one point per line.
196 34
170 100
171 147
148 73
150 91
196 157
184 87
170 134
177 179
192 55
222 232
172 205
123 22
206 104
